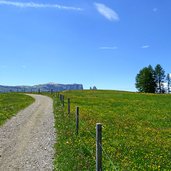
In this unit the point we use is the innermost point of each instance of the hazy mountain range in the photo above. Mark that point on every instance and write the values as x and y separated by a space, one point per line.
41 87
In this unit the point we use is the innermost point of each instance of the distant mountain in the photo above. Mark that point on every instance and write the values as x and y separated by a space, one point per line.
42 88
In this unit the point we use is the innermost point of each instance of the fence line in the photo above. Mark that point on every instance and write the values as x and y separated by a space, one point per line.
77 120
107 156
99 147
68 105
98 143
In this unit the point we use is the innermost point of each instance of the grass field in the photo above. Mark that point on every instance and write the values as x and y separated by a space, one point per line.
11 103
136 131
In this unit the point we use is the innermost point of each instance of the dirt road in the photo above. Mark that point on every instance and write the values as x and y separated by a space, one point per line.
26 141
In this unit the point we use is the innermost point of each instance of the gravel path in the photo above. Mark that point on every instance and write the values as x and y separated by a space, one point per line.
26 140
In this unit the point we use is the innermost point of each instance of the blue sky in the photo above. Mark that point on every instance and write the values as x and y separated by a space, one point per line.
103 43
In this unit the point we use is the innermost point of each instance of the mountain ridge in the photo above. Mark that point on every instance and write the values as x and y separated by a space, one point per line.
47 87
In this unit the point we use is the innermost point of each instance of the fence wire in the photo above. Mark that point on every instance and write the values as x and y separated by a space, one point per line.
93 156
107 156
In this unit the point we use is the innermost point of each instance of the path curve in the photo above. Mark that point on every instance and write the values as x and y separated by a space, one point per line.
27 140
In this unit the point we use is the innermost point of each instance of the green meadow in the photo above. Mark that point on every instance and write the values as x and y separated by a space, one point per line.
136 131
11 103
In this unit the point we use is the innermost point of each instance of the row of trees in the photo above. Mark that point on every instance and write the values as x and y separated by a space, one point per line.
151 80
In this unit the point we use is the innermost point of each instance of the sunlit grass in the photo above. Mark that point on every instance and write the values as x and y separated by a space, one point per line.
136 131
11 103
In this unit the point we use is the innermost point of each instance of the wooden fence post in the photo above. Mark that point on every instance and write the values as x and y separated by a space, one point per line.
77 120
63 100
98 147
68 105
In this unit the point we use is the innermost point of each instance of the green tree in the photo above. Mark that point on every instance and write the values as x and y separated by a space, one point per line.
159 77
145 80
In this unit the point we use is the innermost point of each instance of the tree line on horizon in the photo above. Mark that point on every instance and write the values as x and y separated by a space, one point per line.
151 80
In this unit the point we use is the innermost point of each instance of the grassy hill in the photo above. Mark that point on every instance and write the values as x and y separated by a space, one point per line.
136 131
11 103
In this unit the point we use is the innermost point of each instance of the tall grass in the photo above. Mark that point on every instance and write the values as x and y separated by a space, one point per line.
136 131
11 103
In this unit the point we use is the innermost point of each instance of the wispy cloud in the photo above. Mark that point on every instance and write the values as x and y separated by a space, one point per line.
108 48
107 12
145 46
38 5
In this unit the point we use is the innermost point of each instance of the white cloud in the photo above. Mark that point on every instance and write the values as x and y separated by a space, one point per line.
37 5
108 48
107 12
145 46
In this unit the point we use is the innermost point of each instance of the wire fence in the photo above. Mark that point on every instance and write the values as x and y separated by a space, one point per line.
79 124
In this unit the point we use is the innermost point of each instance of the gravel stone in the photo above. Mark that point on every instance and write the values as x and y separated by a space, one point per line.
27 140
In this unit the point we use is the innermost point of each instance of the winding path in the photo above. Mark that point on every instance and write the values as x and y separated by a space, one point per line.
27 140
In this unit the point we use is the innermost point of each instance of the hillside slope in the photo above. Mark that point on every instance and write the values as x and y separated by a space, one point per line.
136 130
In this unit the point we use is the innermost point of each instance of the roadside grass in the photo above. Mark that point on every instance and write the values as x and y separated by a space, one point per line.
11 103
136 131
